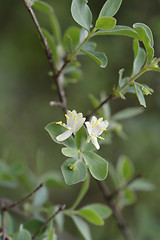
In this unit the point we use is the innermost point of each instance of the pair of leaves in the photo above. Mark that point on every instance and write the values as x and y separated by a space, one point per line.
94 213
81 13
74 169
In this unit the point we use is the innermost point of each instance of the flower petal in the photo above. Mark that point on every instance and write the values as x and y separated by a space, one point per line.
89 127
64 136
95 142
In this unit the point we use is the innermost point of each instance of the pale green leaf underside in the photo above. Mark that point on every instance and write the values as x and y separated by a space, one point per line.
119 30
82 226
140 95
127 113
139 61
110 8
22 234
146 37
99 57
81 13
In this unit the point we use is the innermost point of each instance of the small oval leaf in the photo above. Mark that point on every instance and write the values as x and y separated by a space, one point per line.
97 165
110 8
105 23
42 6
73 171
81 13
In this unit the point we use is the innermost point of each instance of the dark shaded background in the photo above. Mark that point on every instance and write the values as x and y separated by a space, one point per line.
25 93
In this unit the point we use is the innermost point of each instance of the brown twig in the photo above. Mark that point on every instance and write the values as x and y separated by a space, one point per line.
61 208
56 75
123 226
111 96
5 208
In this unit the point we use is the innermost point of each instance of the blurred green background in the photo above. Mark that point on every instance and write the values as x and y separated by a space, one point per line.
25 93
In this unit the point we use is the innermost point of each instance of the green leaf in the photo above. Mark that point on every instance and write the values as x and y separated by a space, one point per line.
22 234
81 138
97 165
82 227
52 179
55 27
33 225
157 69
103 211
90 45
40 197
135 47
9 223
119 30
125 168
74 34
51 44
51 235
82 192
110 8
73 171
127 113
70 152
139 60
141 185
42 6
121 81
81 13
99 57
54 130
129 197
105 23
139 94
68 43
90 215
146 37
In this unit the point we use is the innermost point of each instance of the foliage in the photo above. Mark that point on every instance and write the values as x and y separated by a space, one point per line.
81 136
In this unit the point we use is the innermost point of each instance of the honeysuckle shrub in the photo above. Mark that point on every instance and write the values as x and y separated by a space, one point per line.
82 136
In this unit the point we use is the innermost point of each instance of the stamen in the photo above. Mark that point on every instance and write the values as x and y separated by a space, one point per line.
103 129
101 138
66 116
63 124
93 125
69 128
94 135
60 122
96 123
76 123
75 117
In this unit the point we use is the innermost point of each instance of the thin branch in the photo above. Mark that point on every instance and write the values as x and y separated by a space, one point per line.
7 208
111 96
56 75
61 208
122 224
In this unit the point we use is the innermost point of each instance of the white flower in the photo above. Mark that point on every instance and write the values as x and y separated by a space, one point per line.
95 129
74 123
